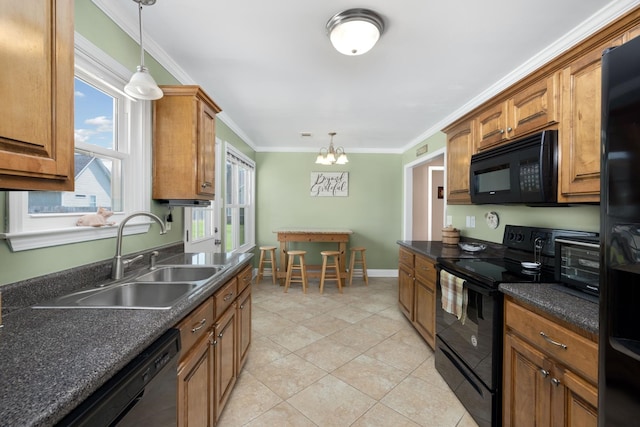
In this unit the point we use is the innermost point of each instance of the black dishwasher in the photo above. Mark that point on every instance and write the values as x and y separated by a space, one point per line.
142 393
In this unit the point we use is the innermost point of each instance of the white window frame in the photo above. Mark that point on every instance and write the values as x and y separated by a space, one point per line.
53 230
250 222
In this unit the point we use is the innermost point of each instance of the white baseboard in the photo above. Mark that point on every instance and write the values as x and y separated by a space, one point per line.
370 272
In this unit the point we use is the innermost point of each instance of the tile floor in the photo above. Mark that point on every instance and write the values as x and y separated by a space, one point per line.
348 359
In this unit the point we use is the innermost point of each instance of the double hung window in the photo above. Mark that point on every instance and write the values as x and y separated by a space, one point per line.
112 160
239 202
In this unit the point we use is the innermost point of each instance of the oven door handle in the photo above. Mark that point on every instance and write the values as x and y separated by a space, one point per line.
474 286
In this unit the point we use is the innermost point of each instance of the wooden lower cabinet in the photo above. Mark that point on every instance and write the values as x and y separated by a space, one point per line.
405 292
243 315
539 388
225 348
424 311
417 292
195 391
213 353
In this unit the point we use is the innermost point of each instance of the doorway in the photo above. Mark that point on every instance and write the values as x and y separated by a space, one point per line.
425 197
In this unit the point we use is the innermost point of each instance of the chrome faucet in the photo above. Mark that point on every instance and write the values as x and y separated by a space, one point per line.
117 270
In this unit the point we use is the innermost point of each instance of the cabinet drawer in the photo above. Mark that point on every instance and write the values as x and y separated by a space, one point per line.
425 269
406 258
225 296
244 279
574 351
195 325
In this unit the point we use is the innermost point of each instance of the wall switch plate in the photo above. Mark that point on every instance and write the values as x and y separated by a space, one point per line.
449 220
471 221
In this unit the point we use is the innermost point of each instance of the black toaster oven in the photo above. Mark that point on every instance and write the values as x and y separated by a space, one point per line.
577 263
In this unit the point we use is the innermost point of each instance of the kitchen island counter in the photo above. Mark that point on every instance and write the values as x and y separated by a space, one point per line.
53 359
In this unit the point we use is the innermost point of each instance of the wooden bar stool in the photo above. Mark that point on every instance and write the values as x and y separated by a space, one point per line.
335 265
271 261
360 262
300 267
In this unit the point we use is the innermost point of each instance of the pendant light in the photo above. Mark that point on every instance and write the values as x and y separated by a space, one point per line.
142 85
331 155
355 31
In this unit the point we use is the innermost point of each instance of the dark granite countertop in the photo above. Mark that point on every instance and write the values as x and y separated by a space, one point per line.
550 298
556 301
436 249
53 359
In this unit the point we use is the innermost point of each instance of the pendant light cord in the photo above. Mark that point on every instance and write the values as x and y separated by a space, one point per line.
140 27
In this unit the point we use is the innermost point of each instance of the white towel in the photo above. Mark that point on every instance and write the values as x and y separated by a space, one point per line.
454 295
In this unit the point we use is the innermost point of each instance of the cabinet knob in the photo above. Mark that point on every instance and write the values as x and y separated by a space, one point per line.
509 129
555 381
501 131
544 373
206 184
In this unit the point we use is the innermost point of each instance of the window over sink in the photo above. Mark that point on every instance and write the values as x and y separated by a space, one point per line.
112 160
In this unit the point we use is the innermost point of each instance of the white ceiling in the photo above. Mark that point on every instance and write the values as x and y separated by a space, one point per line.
271 68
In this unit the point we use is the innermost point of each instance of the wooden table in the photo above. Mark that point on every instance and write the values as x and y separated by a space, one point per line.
315 235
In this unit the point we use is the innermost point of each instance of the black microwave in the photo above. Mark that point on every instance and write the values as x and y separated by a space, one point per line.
524 171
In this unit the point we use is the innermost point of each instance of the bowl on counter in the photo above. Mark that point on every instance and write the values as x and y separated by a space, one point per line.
472 247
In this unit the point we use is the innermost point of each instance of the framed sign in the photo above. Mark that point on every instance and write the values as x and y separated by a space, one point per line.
329 184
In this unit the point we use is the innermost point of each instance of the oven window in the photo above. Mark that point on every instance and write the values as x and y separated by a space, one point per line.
497 179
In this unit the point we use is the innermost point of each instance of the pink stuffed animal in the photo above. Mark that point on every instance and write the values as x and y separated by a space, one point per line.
97 219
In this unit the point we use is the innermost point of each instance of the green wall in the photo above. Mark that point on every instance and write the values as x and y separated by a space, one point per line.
373 208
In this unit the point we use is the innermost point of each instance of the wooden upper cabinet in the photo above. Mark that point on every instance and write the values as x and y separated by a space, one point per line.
460 147
184 144
36 89
532 108
579 130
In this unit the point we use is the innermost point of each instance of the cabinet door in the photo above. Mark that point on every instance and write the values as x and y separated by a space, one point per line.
527 389
579 137
205 182
244 326
460 147
534 107
492 124
575 402
225 345
405 291
36 88
424 311
195 387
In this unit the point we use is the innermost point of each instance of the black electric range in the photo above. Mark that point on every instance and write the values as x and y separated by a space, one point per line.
468 351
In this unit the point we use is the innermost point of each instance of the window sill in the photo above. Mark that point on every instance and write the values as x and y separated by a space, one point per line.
25 241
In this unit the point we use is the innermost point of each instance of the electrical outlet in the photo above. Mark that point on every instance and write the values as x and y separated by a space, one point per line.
167 223
449 220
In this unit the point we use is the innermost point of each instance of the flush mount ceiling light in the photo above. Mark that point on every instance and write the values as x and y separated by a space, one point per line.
142 85
355 31
331 156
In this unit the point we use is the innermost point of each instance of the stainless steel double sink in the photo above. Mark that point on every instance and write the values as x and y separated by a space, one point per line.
157 289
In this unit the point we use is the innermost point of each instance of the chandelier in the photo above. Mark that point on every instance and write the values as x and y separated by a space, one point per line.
142 85
355 31
331 155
